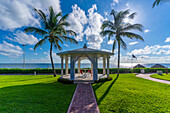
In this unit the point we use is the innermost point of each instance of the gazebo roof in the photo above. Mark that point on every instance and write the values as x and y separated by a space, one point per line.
158 66
139 66
86 50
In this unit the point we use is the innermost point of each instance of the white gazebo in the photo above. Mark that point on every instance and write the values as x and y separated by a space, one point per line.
84 53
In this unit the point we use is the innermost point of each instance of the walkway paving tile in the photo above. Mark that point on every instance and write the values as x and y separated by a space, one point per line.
147 76
83 100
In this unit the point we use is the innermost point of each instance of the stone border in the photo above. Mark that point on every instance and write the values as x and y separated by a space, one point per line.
95 99
72 99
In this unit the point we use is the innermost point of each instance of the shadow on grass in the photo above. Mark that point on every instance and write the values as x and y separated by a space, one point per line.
106 92
39 97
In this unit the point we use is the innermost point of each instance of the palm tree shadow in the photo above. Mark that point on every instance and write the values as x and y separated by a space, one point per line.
107 91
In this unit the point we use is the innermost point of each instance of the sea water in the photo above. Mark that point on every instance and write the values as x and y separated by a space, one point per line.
83 65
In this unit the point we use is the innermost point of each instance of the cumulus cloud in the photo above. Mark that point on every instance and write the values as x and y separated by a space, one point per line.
155 49
92 31
114 3
10 50
167 39
23 38
110 42
31 49
146 30
87 25
77 18
35 53
18 13
133 43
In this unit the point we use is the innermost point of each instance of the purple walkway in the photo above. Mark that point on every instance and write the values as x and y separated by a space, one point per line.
83 100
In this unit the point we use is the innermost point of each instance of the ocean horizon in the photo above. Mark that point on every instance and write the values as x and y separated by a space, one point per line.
83 65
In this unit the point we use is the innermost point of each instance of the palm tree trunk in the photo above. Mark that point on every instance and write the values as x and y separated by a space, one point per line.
118 65
51 48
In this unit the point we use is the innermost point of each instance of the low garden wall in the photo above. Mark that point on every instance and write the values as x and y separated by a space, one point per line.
58 71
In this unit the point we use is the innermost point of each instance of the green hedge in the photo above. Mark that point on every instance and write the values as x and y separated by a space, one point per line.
58 71
65 81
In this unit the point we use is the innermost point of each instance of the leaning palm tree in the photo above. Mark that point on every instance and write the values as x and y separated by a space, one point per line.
120 29
157 2
54 30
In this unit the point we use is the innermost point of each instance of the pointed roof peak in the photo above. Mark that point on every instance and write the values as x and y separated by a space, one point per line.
85 46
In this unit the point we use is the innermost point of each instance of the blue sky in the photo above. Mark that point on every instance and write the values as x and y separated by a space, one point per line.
85 18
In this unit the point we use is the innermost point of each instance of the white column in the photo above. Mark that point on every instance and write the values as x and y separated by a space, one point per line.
104 65
72 67
91 67
107 66
66 65
79 61
61 66
95 68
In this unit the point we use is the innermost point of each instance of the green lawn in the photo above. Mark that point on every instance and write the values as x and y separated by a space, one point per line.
164 76
38 94
132 94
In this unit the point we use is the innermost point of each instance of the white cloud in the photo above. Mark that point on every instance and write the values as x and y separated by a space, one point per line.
66 45
92 31
23 38
116 1
56 58
133 43
105 13
167 39
88 26
77 18
18 13
35 53
127 4
31 49
110 42
146 30
155 49
106 50
10 50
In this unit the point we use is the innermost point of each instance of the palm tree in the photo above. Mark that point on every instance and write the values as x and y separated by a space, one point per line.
157 2
120 29
54 29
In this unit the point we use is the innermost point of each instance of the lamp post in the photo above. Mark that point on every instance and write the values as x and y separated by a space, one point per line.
23 56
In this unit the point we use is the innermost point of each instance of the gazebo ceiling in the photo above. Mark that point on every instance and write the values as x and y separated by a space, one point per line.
85 50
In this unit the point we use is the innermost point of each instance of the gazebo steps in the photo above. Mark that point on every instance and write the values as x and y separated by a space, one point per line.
81 81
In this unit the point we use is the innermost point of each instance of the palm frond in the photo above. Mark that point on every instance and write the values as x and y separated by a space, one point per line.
63 19
68 39
43 18
107 32
123 14
41 42
57 39
131 35
138 27
57 46
71 32
131 16
123 44
35 31
114 46
108 24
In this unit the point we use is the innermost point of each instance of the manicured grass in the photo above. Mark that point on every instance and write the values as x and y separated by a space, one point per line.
34 94
132 94
164 76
